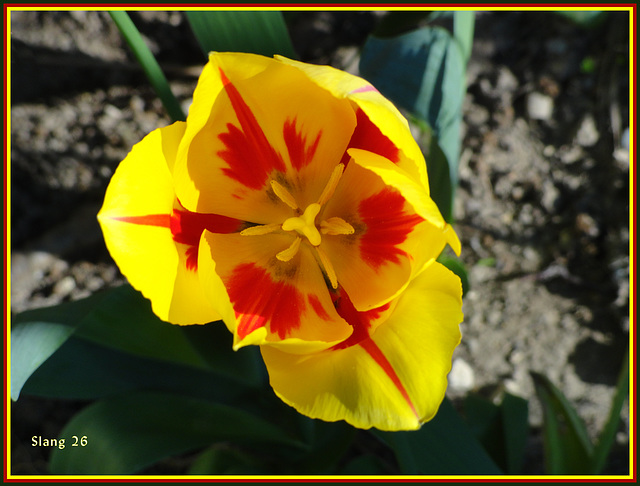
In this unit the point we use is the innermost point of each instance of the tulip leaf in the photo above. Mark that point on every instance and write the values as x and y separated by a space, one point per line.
82 369
502 429
456 266
31 345
463 27
568 449
440 186
608 434
585 18
423 72
445 445
127 433
37 334
149 64
122 319
258 32
223 459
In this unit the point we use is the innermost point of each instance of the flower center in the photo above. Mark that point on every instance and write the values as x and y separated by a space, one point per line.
305 224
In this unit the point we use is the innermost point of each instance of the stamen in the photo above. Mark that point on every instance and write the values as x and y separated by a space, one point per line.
336 226
328 267
331 185
289 253
284 195
261 229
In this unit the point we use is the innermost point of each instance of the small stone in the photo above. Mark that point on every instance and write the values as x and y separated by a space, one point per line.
461 376
588 134
539 106
64 286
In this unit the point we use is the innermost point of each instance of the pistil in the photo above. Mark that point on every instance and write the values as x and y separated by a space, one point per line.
305 224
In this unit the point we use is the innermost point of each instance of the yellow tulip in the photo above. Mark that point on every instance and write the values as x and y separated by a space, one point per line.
294 205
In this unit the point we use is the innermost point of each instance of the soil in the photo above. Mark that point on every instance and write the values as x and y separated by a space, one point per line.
542 208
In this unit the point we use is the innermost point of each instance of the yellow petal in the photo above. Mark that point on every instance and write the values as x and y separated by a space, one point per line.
254 290
395 380
397 230
135 220
242 140
379 111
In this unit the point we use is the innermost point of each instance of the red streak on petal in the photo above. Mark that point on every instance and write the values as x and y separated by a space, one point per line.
187 227
299 153
368 136
250 156
364 89
159 220
360 321
387 226
258 301
378 356
317 307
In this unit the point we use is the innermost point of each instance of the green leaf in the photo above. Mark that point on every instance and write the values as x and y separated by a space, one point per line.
81 369
440 186
223 459
423 72
456 266
586 19
127 433
121 318
328 445
258 32
149 64
502 429
31 345
515 423
568 449
37 334
399 22
463 27
368 464
608 434
445 445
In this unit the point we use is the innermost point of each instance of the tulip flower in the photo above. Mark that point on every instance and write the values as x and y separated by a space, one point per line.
294 205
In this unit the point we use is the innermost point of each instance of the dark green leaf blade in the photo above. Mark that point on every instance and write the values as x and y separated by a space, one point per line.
121 318
85 370
568 449
608 434
515 424
32 343
436 447
423 72
127 433
456 266
149 64
258 32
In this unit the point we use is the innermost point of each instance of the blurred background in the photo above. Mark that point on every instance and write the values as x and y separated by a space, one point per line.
542 208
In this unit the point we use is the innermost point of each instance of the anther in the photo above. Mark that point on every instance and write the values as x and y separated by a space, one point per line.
289 253
328 267
332 184
284 195
336 226
262 229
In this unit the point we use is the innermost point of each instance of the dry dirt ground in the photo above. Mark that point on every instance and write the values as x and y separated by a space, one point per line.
542 207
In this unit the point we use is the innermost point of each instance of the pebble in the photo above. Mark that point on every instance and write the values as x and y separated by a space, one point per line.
461 376
588 134
539 106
